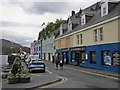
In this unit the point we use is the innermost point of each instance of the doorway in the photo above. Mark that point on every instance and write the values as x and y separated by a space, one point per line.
77 59
66 57
49 56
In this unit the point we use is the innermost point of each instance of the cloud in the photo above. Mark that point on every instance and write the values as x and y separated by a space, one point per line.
45 7
22 35
16 24
62 7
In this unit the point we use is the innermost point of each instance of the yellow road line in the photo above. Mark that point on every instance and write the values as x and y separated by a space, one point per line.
92 73
55 84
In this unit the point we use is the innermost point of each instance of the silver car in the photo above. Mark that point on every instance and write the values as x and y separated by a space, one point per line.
36 64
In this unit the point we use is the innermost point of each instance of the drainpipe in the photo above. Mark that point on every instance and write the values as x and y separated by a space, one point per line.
41 48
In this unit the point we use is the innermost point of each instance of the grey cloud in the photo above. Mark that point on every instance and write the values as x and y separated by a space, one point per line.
45 7
12 36
15 24
52 7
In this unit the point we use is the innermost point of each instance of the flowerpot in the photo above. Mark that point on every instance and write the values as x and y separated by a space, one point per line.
24 79
13 80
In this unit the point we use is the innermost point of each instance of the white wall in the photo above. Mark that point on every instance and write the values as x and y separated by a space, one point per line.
3 60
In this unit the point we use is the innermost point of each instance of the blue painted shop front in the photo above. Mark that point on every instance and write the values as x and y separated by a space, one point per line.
98 50
114 47
66 54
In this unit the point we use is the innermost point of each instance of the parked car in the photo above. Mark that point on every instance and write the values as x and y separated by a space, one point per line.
36 64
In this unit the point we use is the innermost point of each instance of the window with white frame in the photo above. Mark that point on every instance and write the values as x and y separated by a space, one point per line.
68 41
69 25
83 20
81 39
98 34
77 37
95 35
101 33
60 43
104 9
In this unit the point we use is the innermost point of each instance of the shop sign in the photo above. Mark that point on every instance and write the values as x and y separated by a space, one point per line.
64 50
78 49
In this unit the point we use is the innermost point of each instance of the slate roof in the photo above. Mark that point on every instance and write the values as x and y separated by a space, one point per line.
65 25
115 11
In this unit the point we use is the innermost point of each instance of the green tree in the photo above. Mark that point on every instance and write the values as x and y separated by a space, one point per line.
50 28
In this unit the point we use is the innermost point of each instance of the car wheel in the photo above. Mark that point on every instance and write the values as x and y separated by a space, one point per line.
44 70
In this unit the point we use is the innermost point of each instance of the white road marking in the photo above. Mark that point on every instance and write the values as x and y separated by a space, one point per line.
48 71
92 73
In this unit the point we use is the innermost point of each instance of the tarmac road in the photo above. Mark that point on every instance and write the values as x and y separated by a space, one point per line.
80 77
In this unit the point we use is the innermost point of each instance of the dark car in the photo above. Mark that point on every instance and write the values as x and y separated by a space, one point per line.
36 64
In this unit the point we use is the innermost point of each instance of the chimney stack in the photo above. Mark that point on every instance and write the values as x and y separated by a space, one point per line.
73 12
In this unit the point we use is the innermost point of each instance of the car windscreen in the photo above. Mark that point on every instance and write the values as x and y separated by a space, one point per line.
36 61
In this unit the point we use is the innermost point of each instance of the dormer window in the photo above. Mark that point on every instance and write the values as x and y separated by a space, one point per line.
104 9
83 21
69 25
61 29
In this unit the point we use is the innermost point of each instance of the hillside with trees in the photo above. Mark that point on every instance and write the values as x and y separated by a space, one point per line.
9 47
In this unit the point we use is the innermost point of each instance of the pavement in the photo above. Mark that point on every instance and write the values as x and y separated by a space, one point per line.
93 71
37 80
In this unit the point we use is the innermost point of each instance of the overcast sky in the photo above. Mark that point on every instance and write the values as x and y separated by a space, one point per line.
21 20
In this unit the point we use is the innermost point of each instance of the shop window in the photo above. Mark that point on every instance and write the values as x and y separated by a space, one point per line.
106 58
93 57
72 56
83 57
116 58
